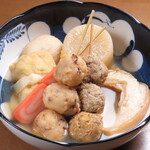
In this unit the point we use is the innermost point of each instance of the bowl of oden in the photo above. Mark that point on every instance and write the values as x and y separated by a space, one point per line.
74 75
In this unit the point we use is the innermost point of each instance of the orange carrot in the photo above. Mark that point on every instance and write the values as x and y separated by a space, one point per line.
27 110
49 78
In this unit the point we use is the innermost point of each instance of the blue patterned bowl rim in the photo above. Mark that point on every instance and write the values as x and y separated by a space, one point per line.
141 125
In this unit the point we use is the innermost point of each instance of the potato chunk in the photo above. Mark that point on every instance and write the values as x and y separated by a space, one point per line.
44 43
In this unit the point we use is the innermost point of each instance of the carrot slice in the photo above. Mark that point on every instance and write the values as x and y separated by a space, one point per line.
49 78
31 105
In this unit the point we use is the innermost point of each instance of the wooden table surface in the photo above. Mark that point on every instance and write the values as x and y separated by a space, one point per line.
137 8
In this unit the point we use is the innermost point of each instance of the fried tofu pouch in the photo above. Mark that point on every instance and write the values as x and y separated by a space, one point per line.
37 62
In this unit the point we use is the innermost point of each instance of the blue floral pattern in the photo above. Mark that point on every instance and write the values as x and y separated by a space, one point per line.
2 46
11 36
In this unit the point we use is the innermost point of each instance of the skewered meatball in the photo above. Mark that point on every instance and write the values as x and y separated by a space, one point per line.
71 70
50 125
86 127
92 98
97 70
62 99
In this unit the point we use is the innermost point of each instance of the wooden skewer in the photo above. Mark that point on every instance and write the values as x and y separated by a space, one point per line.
97 35
85 30
91 36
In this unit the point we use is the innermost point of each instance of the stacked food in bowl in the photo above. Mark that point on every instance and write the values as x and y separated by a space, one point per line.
75 90
58 88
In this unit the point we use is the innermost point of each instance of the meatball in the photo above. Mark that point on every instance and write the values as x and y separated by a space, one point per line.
61 99
86 127
51 125
38 62
70 70
92 98
97 70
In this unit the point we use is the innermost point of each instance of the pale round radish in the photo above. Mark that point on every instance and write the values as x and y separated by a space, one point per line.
102 46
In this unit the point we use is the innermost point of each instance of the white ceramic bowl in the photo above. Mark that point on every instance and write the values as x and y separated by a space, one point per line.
131 40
